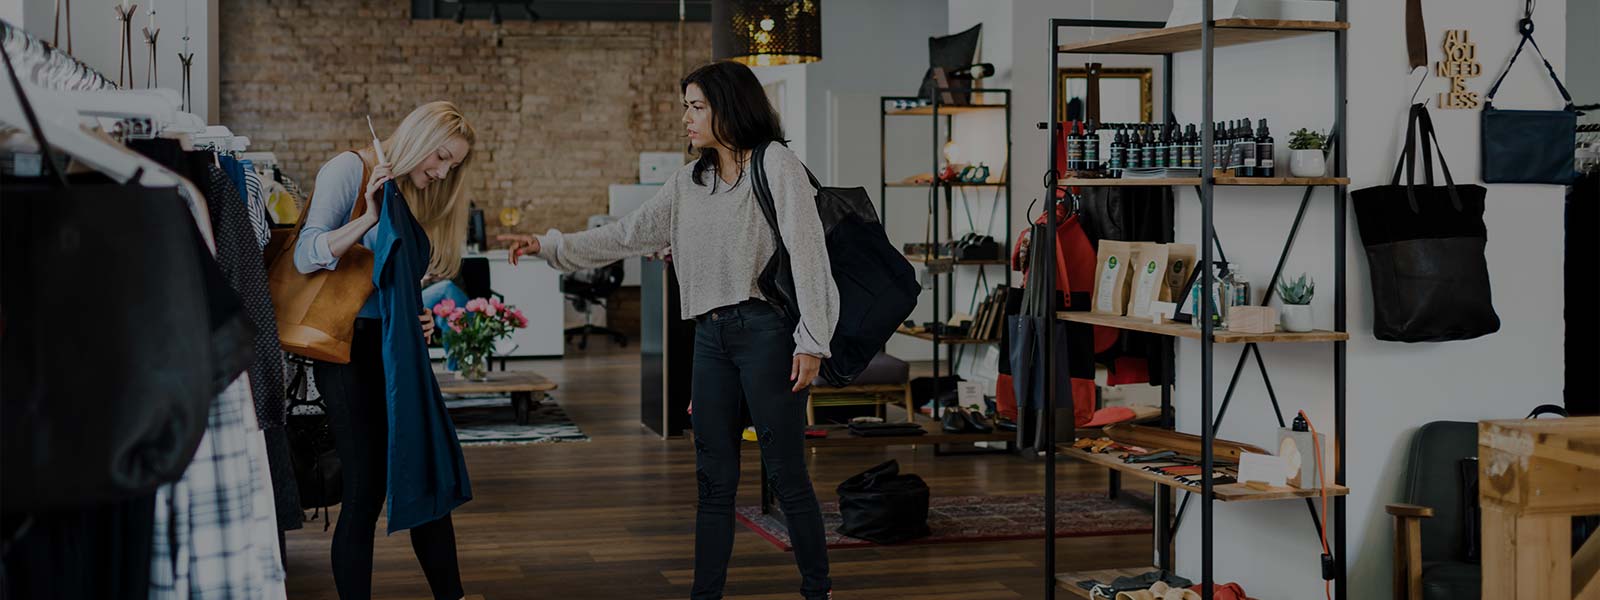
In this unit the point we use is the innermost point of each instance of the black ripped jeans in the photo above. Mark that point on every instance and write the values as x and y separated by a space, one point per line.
742 357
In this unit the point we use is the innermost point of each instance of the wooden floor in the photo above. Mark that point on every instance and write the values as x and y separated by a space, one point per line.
613 518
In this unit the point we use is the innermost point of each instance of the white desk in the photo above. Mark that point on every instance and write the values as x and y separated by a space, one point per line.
535 288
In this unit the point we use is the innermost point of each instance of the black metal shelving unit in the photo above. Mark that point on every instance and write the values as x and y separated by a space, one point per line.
1205 37
944 114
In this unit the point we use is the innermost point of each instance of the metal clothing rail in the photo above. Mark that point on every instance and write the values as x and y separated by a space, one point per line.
1166 43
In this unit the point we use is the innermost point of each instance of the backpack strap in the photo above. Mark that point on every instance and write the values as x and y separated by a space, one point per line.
758 181
1526 27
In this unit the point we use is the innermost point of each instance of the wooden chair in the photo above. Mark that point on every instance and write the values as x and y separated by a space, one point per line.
1430 533
887 380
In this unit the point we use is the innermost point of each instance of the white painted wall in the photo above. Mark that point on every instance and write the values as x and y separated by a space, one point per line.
1393 388
1583 76
97 38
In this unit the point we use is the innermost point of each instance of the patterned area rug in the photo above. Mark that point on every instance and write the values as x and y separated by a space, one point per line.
489 419
961 519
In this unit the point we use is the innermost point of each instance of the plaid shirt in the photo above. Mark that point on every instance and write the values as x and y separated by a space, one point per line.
216 534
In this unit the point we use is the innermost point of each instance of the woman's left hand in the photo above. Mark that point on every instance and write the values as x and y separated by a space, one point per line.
805 370
427 327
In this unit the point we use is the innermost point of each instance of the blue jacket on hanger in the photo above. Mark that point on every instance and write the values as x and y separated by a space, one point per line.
427 472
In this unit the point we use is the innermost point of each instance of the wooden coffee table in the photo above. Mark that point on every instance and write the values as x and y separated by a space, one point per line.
522 385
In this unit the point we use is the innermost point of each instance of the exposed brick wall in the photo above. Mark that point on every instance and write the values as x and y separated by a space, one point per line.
562 109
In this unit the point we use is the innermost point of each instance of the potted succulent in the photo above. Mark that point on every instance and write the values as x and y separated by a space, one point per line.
1296 296
1307 153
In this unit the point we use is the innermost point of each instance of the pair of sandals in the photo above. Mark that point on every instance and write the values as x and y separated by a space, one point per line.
1159 591
962 420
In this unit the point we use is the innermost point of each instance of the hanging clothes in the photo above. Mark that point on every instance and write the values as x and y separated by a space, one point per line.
245 269
215 533
1130 214
427 471
256 204
89 554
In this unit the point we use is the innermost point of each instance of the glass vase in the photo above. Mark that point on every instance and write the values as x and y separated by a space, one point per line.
473 366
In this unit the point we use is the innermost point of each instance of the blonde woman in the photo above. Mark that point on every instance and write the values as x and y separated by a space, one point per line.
429 152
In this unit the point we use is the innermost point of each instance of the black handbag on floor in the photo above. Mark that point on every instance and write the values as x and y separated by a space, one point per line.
884 507
1528 146
877 287
1425 244
317 470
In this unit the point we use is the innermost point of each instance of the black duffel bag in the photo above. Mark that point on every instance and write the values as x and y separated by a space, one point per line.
317 470
884 507
877 287
1425 244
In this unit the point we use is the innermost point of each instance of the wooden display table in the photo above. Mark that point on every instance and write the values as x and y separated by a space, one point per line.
522 385
1533 477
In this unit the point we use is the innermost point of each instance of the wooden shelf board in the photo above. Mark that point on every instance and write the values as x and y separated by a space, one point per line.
1219 180
918 258
1221 336
1232 492
839 437
1227 32
1288 181
950 341
944 109
902 184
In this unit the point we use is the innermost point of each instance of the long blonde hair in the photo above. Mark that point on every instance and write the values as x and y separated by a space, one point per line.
440 209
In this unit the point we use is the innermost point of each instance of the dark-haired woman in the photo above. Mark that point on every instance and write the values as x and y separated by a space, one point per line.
746 352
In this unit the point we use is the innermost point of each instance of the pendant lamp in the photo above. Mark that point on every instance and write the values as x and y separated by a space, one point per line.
763 33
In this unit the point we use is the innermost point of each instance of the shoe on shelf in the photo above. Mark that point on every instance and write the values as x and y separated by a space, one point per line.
1005 424
954 421
976 422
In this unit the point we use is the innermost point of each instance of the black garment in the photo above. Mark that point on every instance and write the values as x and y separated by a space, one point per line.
1583 253
742 358
285 489
94 553
242 263
1131 214
358 407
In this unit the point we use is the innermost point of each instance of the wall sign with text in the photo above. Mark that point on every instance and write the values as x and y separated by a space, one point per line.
1460 64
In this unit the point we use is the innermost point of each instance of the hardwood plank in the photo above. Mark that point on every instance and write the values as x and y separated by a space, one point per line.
1194 181
1226 32
922 258
611 518
1220 336
1232 492
1130 182
907 184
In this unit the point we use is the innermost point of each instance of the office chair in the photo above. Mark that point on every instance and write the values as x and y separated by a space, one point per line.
586 289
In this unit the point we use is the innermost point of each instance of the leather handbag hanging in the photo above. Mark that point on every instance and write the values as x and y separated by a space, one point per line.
1425 244
317 311
1529 146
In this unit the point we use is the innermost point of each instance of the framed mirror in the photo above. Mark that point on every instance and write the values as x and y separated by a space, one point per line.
1125 95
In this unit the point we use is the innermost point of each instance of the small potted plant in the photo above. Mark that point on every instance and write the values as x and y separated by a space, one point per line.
1296 296
472 330
1307 150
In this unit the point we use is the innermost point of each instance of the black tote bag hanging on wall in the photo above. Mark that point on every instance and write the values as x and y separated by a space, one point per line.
1425 244
1528 146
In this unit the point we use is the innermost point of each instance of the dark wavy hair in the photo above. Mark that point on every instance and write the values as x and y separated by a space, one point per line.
741 116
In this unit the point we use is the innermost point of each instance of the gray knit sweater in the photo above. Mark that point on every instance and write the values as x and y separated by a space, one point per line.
720 242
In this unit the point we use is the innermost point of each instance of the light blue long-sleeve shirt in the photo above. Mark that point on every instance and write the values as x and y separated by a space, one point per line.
338 188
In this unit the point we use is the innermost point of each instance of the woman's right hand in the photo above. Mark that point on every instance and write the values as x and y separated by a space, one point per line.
380 174
520 245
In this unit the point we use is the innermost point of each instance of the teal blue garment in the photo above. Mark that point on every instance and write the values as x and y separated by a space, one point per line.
427 472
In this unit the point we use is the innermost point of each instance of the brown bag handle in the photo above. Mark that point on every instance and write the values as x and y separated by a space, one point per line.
360 207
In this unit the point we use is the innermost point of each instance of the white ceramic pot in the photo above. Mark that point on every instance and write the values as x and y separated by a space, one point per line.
1296 318
1307 163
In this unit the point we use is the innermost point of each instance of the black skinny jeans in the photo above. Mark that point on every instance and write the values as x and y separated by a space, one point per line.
359 411
743 355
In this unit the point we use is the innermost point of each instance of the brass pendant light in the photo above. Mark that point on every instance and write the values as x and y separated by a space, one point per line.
767 32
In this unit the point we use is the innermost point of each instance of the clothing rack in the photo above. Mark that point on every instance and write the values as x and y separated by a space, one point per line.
47 66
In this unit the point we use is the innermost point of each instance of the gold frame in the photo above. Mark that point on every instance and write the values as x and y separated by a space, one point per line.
1143 74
